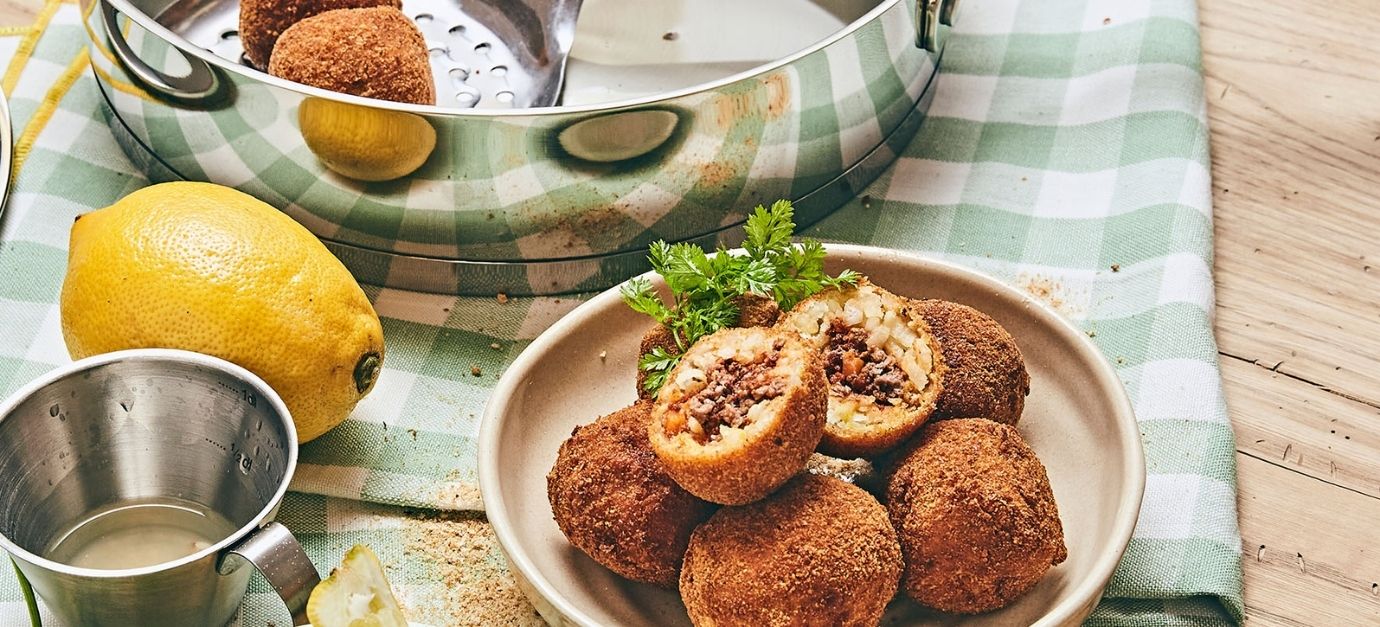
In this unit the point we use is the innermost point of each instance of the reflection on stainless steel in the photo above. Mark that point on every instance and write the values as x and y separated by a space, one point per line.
6 152
618 136
365 143
136 425
547 200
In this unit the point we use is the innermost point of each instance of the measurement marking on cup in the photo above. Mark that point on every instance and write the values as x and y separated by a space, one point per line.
243 394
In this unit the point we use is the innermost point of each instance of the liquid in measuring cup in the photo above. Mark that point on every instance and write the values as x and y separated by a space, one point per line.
133 534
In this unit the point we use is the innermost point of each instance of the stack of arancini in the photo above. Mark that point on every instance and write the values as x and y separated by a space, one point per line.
734 465
363 48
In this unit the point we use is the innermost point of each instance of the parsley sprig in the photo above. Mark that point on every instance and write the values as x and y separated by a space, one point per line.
705 289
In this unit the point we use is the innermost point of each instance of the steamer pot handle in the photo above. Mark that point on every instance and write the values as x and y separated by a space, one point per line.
200 87
929 15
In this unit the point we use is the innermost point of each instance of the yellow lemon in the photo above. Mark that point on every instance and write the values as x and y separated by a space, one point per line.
202 267
365 143
357 594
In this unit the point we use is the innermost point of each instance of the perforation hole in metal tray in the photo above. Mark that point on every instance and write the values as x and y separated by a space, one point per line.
472 67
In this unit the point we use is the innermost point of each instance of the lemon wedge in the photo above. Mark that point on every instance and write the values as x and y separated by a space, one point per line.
356 594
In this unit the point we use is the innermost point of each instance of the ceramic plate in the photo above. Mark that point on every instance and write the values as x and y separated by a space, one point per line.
1077 418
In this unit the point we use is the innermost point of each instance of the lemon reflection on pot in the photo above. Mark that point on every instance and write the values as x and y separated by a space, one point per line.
365 143
618 136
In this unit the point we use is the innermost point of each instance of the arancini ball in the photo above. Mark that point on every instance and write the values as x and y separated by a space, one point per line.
613 499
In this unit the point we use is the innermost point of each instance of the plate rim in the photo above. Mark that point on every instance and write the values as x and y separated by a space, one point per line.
1083 597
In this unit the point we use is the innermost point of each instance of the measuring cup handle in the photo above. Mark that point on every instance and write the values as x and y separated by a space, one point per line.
277 554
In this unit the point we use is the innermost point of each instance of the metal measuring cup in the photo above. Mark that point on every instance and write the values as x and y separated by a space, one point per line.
143 424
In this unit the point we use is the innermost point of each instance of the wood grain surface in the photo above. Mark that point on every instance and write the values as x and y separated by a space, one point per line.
1294 104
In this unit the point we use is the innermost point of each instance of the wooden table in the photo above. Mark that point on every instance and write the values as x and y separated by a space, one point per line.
1294 101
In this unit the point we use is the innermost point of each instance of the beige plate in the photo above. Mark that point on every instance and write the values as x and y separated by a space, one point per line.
1077 419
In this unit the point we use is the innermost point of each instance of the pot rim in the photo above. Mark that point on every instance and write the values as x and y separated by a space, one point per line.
187 48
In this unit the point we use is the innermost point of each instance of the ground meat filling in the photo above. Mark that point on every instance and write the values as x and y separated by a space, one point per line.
853 367
732 387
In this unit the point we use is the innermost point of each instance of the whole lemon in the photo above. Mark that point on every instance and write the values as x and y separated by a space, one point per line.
202 267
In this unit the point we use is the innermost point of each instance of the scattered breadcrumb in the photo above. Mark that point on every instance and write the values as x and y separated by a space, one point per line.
474 370
603 355
495 346
1052 293
502 298
458 550
1116 267
671 36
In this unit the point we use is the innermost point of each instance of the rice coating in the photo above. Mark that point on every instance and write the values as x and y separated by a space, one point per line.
976 517
375 53
613 499
817 552
880 360
263 21
985 375
740 414
753 311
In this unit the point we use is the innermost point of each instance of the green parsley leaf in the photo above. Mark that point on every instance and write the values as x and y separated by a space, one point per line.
657 364
705 289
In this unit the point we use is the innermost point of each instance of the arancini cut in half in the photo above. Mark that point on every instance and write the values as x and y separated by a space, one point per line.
975 514
881 362
374 53
740 414
753 311
817 552
985 376
613 499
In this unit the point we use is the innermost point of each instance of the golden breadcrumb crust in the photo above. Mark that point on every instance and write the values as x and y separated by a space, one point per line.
985 375
263 21
976 517
614 500
817 552
375 53
774 448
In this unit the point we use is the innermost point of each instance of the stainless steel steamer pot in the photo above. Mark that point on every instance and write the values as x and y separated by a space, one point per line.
493 198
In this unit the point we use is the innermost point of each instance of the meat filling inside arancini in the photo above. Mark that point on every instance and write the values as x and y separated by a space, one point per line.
853 367
731 389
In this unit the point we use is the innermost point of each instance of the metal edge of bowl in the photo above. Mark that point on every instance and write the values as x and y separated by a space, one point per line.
445 276
1069 612
153 26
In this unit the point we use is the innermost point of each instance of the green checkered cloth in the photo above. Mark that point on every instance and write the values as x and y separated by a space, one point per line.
1066 152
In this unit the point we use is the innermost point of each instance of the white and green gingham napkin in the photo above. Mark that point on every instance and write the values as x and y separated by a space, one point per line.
1066 152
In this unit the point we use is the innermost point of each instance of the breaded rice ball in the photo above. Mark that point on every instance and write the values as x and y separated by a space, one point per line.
817 552
881 362
757 311
985 375
975 514
374 53
753 311
262 21
740 414
614 501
